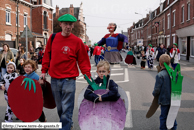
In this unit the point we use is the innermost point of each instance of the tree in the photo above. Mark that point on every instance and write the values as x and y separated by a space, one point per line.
77 30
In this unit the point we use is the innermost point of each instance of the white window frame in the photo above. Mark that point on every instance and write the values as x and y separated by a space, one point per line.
174 17
168 2
168 21
25 19
192 39
8 12
183 14
188 11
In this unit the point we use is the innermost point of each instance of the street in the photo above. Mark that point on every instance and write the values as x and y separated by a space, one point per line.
138 85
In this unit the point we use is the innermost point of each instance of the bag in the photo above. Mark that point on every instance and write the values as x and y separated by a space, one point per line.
172 59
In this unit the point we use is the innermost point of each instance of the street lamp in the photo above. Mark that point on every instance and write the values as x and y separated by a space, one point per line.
141 15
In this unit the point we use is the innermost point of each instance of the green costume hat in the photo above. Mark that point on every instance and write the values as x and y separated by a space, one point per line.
67 18
175 44
150 45
96 44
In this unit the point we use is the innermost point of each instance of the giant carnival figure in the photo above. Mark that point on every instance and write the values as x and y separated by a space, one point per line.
114 43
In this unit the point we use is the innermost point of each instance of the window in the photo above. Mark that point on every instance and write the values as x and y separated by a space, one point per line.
8 17
168 2
45 20
192 46
163 24
168 41
168 25
183 47
25 20
188 11
173 39
173 19
7 37
183 14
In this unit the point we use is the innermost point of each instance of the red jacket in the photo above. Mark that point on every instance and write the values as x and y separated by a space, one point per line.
97 51
66 52
87 48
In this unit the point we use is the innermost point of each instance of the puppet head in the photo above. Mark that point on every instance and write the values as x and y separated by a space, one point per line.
112 27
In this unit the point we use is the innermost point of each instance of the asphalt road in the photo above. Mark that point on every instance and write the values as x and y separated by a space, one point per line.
139 85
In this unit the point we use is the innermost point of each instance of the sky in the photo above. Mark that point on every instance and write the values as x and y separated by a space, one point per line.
99 13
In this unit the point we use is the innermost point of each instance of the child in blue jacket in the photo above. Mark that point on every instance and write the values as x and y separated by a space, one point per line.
29 68
163 90
103 68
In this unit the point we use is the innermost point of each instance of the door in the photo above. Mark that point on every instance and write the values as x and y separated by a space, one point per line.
188 48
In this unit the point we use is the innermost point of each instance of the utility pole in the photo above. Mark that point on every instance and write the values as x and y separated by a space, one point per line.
17 38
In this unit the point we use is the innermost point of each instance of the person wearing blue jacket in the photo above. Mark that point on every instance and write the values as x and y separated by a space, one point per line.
103 68
29 68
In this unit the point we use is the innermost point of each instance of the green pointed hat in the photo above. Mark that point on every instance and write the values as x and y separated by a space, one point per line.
175 44
150 45
67 18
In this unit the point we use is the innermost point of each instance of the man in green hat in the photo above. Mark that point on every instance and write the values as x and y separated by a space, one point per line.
175 55
64 53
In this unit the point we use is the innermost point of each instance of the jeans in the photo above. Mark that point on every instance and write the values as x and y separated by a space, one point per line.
148 63
96 59
2 73
174 65
163 118
64 94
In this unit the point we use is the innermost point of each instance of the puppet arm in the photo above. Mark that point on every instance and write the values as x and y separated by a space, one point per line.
102 42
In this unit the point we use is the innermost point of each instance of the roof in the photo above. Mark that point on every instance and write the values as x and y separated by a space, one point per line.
37 34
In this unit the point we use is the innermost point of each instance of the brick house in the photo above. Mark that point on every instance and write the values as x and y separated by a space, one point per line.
185 31
36 14
172 22
76 12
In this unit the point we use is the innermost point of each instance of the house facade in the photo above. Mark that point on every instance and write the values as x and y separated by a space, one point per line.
77 12
36 14
172 22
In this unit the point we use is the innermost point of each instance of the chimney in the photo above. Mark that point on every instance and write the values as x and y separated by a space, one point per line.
71 9
57 11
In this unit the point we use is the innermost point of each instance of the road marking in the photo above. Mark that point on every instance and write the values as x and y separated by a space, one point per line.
126 75
183 64
117 69
129 121
117 65
111 75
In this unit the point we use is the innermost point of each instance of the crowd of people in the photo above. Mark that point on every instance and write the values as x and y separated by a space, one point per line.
62 59
150 53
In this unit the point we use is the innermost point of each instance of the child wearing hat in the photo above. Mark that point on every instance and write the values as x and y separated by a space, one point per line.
150 56
175 56
9 76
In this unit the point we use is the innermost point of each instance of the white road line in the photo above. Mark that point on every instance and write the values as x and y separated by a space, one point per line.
183 64
81 77
117 69
126 75
129 122
119 66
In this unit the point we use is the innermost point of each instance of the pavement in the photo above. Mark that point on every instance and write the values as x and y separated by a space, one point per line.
138 85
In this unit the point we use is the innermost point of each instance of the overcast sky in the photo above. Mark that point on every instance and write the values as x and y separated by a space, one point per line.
98 13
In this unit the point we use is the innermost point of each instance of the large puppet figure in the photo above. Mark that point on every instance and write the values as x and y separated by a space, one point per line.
114 43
